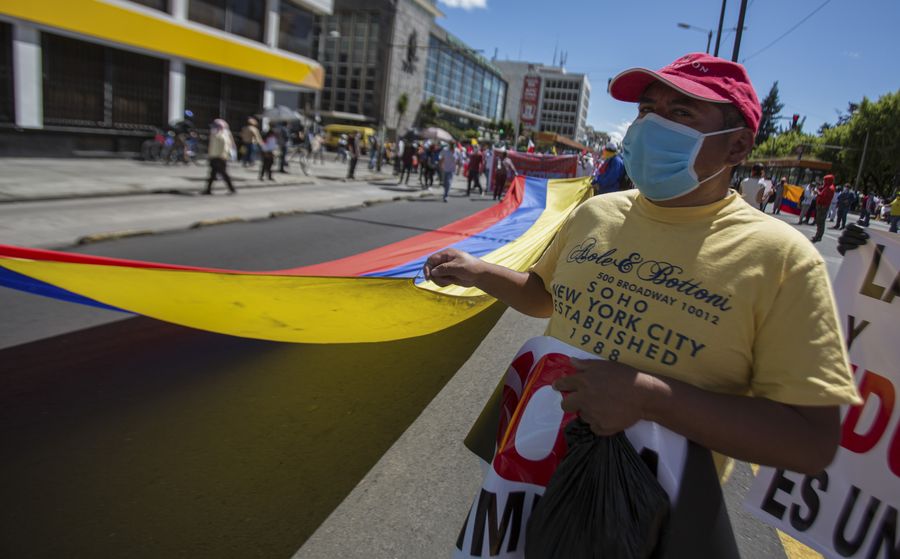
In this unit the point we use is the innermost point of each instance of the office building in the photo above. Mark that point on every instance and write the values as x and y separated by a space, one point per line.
373 51
97 76
562 101
468 90
376 51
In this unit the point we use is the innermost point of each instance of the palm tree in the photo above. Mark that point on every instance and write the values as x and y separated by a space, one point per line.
402 104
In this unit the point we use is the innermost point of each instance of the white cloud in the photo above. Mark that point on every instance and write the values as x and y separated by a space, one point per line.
618 131
851 54
465 4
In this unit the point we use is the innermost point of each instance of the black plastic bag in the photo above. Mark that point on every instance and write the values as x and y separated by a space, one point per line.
602 501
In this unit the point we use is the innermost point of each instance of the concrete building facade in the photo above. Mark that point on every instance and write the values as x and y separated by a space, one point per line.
376 51
468 90
564 97
98 76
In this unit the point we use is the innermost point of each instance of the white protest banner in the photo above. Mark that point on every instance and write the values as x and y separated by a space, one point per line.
531 444
850 509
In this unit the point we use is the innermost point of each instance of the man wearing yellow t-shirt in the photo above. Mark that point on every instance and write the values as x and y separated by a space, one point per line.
707 316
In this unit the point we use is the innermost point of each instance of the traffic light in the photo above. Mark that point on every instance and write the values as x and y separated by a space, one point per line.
794 120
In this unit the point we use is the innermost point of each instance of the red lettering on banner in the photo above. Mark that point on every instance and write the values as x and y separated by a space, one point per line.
878 386
510 397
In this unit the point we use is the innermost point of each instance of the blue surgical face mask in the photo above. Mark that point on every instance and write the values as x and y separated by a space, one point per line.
659 156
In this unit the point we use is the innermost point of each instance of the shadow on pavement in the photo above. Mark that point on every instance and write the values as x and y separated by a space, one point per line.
144 439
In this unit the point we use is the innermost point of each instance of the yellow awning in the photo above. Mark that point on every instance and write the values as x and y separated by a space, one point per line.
163 35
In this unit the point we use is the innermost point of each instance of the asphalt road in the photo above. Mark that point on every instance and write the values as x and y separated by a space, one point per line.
142 439
153 440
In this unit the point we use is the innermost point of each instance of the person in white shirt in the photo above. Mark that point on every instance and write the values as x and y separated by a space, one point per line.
447 164
753 188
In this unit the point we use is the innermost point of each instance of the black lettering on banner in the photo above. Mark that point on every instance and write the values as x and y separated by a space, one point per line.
486 517
769 504
853 331
462 532
870 288
886 537
810 499
849 547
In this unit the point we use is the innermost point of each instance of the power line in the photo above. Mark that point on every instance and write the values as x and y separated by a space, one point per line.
786 33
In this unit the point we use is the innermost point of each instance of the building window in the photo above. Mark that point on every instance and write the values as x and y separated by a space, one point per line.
295 32
241 17
91 85
138 89
350 62
162 5
211 95
73 81
7 111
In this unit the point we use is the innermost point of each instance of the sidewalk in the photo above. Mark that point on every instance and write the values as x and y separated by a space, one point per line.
33 179
54 203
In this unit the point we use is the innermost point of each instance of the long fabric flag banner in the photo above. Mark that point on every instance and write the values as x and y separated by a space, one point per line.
374 296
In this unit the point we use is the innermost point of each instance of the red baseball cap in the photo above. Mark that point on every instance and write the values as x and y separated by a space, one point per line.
697 75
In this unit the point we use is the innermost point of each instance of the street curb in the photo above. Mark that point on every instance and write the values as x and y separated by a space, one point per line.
216 221
115 235
111 236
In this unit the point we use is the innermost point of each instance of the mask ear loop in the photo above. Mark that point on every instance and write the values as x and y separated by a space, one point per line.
694 158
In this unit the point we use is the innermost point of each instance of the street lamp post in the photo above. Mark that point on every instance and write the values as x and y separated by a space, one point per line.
740 31
719 34
702 30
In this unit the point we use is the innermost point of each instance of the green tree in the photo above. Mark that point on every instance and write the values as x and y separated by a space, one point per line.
792 143
880 120
402 105
771 110
428 113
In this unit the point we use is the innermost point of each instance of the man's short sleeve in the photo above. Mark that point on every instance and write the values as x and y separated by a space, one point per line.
799 356
545 267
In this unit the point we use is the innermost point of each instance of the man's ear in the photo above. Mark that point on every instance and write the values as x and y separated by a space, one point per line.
740 146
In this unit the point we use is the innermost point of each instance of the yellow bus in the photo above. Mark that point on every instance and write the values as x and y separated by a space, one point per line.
333 134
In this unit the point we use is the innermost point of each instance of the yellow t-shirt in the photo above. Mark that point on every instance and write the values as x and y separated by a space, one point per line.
722 297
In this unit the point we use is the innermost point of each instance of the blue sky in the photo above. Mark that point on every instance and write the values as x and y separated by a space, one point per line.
847 50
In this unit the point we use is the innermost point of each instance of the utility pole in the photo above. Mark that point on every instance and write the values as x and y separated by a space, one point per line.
862 160
719 35
740 32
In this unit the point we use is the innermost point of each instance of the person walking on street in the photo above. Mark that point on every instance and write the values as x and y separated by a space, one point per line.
832 209
771 395
353 150
251 141
476 167
283 136
867 209
221 148
447 165
779 195
752 187
895 213
269 151
503 174
808 203
608 176
488 167
406 160
844 199
823 202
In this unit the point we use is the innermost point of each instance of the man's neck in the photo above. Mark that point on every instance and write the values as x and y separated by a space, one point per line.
708 193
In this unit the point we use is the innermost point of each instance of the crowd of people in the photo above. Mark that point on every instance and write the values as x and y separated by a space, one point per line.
822 202
279 143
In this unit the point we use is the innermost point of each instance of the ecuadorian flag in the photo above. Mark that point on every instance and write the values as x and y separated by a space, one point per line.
790 203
